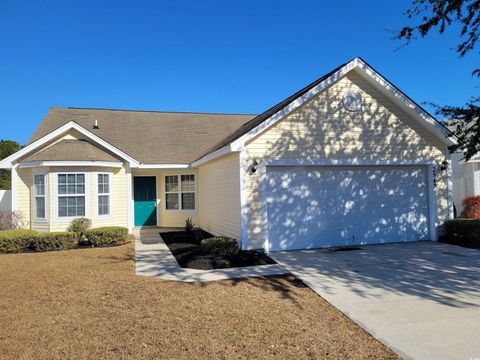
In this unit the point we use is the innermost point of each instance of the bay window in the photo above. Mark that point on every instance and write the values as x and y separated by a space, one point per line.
180 192
71 194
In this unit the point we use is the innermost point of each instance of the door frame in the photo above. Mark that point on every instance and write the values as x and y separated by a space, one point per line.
157 216
428 164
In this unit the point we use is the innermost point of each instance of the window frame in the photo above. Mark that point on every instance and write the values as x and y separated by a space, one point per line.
179 193
97 195
86 195
45 196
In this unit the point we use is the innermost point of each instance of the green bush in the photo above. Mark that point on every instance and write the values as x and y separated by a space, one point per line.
12 241
111 235
220 246
463 232
53 241
79 227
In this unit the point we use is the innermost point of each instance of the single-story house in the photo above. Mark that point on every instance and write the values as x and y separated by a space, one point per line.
466 178
347 160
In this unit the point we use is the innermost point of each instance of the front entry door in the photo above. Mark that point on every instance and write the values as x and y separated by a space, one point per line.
145 200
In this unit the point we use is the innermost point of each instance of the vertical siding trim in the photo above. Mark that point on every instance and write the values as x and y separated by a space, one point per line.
432 204
449 184
129 189
14 186
243 201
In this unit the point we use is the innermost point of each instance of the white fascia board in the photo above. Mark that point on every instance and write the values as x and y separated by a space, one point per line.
357 63
240 142
216 154
110 164
8 162
421 115
161 166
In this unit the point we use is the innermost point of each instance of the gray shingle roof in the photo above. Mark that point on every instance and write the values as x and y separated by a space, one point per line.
150 137
71 150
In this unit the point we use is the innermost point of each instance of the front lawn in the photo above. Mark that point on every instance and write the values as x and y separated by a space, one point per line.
88 303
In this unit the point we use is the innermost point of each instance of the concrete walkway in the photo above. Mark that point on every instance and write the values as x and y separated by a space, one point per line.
420 299
153 258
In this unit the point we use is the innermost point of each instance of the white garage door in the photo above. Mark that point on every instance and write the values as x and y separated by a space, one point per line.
323 206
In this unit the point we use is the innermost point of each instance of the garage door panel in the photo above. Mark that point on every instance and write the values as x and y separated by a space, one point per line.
328 206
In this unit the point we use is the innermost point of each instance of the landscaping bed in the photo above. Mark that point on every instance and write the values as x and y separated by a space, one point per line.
462 232
187 250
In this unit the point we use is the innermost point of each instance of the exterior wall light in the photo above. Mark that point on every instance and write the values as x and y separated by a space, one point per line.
253 167
444 165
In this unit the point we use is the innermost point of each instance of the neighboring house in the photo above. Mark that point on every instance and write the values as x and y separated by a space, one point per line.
466 179
347 160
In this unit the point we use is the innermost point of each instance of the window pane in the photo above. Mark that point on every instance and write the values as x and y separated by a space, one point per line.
103 205
62 211
188 182
62 178
40 214
71 179
188 201
71 189
39 181
71 206
80 189
171 183
103 184
171 201
62 189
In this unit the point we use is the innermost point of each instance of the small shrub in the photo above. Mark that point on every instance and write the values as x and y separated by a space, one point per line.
198 234
471 207
188 225
104 236
54 241
13 241
11 220
221 246
465 232
79 227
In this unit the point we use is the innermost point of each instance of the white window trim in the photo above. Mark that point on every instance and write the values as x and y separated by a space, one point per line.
179 192
96 193
45 196
56 195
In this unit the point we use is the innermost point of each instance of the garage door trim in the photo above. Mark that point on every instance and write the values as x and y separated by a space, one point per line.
429 164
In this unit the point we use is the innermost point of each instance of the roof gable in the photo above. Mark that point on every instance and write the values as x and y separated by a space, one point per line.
236 141
150 137
71 150
11 160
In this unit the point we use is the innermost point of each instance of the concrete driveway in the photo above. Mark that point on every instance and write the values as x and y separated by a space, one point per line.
421 299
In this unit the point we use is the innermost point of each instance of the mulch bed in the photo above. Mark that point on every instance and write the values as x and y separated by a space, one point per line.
186 249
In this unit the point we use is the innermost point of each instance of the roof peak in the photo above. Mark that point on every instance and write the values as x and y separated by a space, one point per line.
153 111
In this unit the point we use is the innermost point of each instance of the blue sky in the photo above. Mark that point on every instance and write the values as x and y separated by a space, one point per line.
211 56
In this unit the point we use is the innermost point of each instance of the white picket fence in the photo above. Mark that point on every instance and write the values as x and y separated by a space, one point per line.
5 200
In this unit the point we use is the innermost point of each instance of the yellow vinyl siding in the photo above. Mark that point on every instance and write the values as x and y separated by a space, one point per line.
23 195
219 196
323 129
170 218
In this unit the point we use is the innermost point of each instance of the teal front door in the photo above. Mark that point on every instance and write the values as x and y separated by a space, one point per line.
145 200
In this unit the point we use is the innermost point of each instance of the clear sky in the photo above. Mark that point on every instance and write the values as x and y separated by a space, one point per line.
210 56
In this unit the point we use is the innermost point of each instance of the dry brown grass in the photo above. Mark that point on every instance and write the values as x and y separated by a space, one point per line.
89 304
